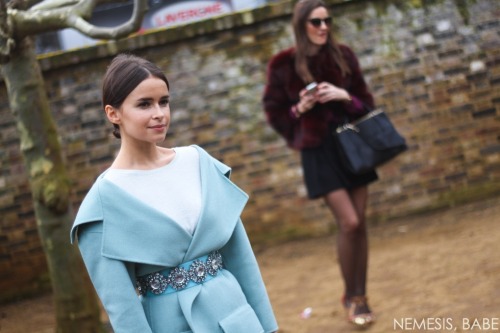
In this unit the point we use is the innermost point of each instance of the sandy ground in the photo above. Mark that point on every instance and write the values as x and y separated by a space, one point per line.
432 273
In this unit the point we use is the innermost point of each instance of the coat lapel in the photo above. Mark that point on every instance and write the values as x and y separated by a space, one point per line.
136 232
222 203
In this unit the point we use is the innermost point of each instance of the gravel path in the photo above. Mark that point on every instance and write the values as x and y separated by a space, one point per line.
432 273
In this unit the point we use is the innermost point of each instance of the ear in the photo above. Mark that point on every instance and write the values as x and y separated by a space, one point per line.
112 114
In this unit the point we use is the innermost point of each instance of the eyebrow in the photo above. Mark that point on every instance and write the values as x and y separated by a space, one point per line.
148 99
144 99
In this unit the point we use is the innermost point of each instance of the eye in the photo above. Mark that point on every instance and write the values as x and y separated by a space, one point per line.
144 104
164 102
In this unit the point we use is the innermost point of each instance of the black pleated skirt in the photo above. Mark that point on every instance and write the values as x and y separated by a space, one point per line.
324 172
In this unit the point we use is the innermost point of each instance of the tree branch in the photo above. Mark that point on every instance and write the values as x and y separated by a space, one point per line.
6 42
50 16
53 4
132 25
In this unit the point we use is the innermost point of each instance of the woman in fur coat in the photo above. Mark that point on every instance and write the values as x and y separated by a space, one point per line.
311 89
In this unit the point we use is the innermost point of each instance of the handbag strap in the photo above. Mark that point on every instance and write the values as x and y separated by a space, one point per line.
367 108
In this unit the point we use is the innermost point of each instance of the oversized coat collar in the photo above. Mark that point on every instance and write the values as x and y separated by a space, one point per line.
136 232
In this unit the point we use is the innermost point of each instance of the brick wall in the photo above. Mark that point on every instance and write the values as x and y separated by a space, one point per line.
433 65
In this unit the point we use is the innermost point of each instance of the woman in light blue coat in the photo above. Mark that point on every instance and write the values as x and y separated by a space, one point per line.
160 230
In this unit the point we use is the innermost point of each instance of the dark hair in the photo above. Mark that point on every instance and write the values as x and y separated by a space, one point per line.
301 12
124 74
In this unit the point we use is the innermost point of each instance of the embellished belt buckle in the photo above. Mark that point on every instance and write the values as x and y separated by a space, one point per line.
178 278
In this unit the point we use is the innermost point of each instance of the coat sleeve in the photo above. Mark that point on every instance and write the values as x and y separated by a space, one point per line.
113 281
276 100
240 260
358 89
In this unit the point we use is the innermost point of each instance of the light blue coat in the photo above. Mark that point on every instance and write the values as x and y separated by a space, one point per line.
120 238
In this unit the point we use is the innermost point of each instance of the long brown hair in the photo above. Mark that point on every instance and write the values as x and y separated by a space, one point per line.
301 13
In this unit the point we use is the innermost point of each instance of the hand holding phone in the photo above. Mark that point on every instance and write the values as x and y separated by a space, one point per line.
307 98
312 87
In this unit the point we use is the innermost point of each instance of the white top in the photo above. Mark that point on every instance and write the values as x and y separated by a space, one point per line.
174 189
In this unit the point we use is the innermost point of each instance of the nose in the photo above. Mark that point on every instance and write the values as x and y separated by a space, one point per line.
158 112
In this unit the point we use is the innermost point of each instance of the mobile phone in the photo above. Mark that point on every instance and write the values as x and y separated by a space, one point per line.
312 87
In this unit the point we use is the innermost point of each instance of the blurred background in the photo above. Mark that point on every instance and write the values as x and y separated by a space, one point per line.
433 65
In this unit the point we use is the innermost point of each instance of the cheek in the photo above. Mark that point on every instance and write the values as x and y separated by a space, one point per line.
168 112
310 32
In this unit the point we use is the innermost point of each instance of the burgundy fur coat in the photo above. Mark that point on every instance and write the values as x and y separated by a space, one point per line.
282 92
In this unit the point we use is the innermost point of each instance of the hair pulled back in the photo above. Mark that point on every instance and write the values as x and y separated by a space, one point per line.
124 74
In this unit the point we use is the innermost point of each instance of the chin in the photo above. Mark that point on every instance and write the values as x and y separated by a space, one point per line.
160 140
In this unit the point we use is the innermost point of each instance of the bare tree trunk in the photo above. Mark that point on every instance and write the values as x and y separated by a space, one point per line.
76 304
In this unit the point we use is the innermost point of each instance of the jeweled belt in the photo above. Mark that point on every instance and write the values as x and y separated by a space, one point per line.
186 275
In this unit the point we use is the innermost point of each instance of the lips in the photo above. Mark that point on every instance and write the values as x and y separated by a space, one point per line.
158 127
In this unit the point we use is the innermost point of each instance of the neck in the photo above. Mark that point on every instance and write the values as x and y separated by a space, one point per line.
142 157
313 50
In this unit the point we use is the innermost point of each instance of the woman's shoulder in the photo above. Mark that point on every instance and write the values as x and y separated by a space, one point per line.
203 155
207 159
187 150
282 57
195 148
347 51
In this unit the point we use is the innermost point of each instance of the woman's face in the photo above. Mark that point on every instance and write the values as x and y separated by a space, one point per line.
317 28
145 114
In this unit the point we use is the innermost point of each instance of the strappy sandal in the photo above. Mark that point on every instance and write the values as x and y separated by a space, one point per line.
360 320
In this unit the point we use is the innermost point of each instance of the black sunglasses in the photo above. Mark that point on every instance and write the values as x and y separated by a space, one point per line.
316 22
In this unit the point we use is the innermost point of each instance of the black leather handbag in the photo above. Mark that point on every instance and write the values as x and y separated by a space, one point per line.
369 142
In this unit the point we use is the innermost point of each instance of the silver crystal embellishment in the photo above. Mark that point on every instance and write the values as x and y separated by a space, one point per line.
198 271
214 263
178 278
157 283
